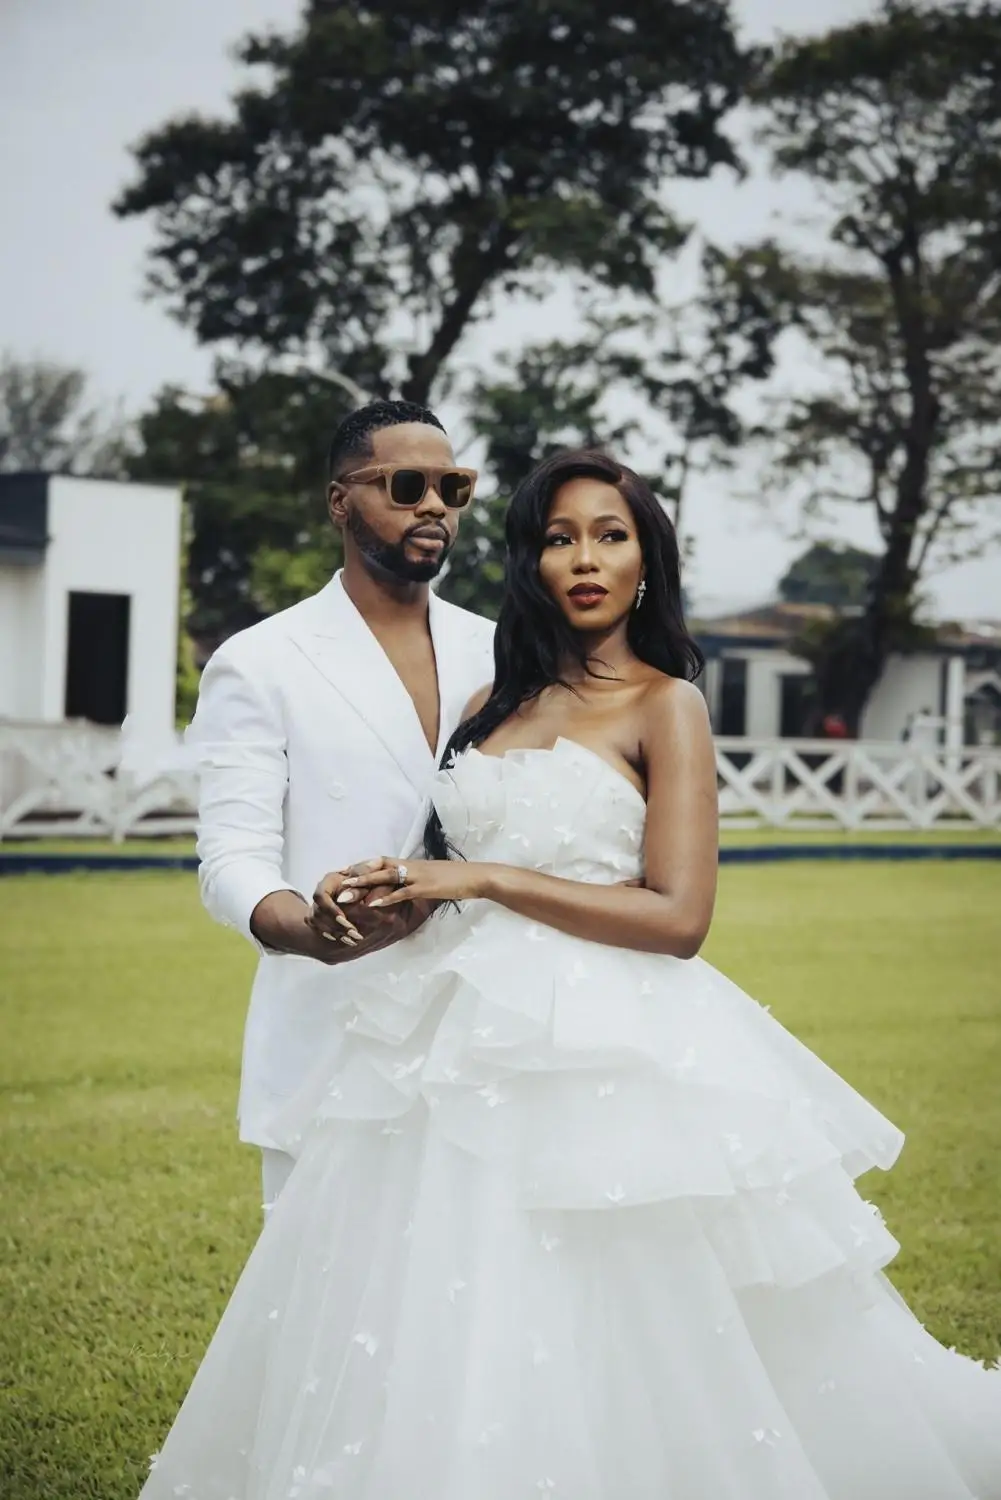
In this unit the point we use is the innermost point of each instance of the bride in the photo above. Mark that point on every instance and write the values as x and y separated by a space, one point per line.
571 1214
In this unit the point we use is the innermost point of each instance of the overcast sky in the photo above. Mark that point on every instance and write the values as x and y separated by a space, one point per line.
82 79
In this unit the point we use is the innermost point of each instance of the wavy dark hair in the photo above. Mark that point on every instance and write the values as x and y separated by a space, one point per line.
534 640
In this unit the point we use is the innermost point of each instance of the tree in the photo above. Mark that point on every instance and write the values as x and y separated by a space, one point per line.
46 422
548 397
401 163
675 370
898 120
829 573
253 462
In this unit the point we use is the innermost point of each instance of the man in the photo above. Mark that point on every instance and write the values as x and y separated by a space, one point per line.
318 732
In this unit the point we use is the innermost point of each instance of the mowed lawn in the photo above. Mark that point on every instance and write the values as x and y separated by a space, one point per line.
128 1206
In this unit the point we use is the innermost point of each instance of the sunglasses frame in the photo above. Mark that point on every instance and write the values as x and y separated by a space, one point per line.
433 475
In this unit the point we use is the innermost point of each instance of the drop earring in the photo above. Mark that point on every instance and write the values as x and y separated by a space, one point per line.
640 592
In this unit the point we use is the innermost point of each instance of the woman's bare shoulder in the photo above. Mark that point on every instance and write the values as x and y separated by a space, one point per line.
672 703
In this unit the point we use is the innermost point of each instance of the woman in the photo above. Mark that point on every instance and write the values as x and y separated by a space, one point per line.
571 1214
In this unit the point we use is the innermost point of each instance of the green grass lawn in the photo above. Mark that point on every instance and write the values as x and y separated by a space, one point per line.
129 1207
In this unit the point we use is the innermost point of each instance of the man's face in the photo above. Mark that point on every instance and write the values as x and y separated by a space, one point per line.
404 544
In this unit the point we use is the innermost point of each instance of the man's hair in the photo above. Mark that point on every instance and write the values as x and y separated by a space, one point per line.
353 438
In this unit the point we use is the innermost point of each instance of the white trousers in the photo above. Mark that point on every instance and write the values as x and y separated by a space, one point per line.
275 1169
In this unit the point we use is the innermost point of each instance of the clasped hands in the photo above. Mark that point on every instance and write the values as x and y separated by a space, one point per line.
368 905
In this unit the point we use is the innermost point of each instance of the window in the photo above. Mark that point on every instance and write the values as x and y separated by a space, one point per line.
97 657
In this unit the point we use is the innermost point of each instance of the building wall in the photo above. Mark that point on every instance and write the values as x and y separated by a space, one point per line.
765 669
22 613
113 538
909 685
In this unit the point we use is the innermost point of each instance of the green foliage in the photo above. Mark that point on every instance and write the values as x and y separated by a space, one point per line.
678 369
829 573
46 422
252 460
390 167
386 173
130 1208
546 398
897 119
188 676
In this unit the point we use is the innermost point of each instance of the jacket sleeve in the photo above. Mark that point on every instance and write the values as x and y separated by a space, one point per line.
239 745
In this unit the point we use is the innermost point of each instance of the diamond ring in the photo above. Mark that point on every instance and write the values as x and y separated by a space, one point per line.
401 875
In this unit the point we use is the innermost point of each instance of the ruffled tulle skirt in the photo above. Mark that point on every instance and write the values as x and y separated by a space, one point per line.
569 1221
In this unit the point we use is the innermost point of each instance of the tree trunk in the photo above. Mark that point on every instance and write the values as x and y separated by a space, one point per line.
480 273
855 654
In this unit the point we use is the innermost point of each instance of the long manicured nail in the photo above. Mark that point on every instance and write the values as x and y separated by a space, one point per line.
345 898
377 902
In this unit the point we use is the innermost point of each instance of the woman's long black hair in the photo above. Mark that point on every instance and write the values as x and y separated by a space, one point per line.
534 640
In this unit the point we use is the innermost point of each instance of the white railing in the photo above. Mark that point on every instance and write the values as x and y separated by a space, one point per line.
857 784
72 780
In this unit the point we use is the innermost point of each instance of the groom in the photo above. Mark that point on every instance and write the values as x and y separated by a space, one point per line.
318 732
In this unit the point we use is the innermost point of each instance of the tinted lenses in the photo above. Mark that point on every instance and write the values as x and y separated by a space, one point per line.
456 490
408 486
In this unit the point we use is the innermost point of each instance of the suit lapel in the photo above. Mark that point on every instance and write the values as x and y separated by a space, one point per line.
336 639
453 657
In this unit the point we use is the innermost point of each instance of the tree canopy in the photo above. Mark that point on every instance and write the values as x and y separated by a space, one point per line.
252 460
47 421
829 573
897 119
387 175
394 165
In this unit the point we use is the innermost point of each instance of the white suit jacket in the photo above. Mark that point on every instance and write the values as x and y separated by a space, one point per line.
311 756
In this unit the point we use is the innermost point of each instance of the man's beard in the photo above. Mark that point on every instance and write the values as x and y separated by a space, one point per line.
390 558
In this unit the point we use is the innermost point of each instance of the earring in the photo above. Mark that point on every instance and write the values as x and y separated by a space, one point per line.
640 592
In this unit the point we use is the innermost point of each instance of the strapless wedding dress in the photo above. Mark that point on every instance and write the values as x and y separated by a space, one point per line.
572 1221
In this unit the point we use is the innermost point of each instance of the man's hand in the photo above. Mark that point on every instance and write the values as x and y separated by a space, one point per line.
282 923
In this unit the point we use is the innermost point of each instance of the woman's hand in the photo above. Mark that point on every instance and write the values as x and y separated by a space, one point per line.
397 881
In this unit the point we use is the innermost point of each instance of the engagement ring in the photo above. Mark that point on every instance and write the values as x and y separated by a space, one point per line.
401 875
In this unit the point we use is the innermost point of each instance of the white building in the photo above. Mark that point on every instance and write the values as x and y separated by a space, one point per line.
756 686
89 582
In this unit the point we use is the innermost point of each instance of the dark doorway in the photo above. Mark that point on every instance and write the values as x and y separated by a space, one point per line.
796 704
97 657
733 696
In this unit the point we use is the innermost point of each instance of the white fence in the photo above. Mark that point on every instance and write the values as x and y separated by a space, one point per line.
70 780
857 784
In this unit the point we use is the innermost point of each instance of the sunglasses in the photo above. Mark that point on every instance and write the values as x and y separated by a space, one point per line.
408 486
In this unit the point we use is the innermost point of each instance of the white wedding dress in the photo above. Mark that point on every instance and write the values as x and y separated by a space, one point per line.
572 1221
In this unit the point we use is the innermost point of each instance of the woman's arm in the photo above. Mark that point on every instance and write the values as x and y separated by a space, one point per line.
671 912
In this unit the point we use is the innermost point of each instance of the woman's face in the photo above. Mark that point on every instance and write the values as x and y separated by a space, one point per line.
591 558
